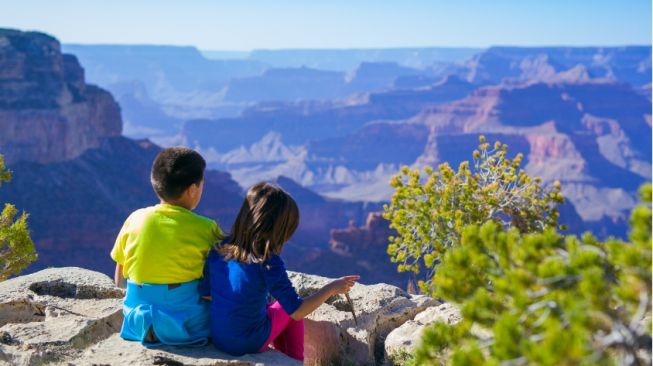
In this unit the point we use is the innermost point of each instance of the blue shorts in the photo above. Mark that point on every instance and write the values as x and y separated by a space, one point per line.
175 313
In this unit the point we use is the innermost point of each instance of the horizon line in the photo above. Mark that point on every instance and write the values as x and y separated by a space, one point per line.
364 48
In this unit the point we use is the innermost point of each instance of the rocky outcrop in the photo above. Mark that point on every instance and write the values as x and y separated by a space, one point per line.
334 337
355 240
72 316
53 314
47 111
406 337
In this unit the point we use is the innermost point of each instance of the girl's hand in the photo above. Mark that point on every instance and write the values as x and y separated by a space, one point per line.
312 302
343 284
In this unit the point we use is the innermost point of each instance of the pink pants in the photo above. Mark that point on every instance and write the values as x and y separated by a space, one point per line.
287 334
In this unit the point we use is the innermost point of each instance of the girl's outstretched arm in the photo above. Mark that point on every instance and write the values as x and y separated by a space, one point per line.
310 303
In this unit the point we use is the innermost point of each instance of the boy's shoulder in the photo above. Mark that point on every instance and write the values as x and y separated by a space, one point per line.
203 219
202 223
174 212
211 226
188 220
139 214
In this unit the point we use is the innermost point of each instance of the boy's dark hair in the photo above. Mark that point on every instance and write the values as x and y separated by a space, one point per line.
267 219
174 170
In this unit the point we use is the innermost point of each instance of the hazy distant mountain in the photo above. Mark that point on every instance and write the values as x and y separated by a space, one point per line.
287 85
173 84
159 86
371 76
297 84
348 59
142 116
304 121
630 64
162 69
179 79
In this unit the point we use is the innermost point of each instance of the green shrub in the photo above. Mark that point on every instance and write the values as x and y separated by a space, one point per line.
545 299
429 212
16 247
402 358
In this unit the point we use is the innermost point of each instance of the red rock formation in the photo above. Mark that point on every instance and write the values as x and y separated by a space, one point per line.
357 240
357 250
47 112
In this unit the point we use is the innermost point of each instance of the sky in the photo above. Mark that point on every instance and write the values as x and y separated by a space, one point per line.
244 25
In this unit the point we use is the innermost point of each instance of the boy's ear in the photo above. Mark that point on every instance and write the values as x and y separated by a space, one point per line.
192 189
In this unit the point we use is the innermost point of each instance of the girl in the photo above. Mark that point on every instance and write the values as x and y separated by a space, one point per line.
246 267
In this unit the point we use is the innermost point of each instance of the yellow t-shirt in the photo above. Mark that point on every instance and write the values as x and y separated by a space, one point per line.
164 244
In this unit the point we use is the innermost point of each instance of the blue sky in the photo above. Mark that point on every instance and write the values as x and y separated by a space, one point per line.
273 24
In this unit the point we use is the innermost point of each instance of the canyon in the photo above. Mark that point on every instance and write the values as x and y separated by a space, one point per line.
330 133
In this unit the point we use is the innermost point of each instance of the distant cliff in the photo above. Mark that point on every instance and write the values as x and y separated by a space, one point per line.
630 64
47 111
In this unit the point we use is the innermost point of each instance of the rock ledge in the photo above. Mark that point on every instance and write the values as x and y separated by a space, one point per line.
72 316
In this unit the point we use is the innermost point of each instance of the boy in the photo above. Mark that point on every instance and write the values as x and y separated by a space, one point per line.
160 253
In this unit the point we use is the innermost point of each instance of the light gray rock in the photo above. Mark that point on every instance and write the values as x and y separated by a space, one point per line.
332 337
116 351
52 314
72 316
407 336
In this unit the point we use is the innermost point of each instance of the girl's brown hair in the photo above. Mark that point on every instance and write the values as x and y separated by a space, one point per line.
267 219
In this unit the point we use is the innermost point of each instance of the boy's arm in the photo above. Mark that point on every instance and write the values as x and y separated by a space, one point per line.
118 278
118 253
